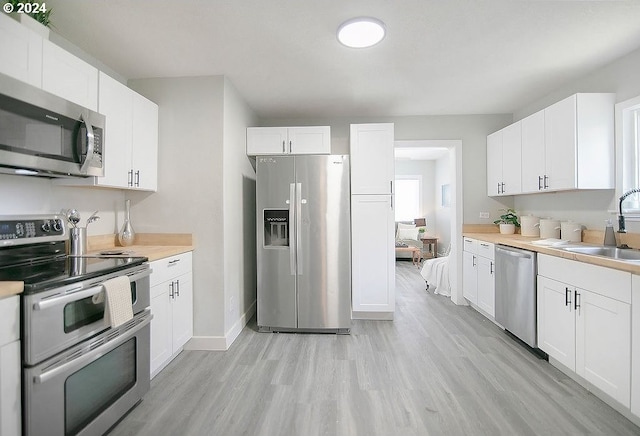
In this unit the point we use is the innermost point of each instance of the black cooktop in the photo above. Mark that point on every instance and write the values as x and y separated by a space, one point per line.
48 266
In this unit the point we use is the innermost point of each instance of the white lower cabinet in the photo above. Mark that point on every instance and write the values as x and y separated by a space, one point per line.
478 275
635 345
373 257
587 330
10 373
172 309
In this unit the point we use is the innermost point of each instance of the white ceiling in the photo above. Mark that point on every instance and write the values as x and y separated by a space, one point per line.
439 57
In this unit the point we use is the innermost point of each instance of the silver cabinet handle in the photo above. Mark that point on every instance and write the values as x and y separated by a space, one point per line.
130 177
576 304
539 183
178 288
173 262
138 178
473 263
491 268
546 185
172 294
284 147
290 148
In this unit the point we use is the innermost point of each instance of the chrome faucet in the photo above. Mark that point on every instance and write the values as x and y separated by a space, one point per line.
621 225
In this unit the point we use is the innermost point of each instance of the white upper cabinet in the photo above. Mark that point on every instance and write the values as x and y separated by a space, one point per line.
568 145
130 140
533 153
115 105
68 76
20 52
372 158
288 140
144 159
504 149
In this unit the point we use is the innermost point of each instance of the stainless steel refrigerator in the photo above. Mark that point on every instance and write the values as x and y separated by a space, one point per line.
304 243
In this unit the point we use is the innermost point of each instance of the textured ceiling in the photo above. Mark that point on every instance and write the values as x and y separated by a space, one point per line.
439 57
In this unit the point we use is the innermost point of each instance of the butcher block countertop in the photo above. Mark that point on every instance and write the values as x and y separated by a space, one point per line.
152 245
524 242
8 289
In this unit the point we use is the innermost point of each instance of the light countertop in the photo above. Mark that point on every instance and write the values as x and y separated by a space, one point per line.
524 242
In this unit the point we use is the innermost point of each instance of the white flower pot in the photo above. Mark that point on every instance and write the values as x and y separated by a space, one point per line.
507 229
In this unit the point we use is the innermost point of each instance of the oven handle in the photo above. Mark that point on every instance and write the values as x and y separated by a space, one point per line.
94 354
89 292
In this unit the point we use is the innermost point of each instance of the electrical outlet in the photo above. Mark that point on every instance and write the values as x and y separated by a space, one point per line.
484 215
232 301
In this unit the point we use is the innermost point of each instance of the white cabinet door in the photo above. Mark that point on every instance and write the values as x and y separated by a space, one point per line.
10 390
635 345
288 140
494 163
560 144
511 159
116 105
533 153
182 311
373 254
486 285
556 321
144 161
161 327
267 140
309 140
372 158
470 276
20 52
603 344
69 77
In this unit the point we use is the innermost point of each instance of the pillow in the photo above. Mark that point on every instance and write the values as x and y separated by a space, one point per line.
405 233
406 226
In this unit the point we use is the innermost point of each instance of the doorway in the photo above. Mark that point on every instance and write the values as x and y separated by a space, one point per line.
436 166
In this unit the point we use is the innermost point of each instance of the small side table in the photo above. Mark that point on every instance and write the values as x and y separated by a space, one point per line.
432 244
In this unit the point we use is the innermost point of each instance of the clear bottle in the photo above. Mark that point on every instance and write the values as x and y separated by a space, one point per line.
609 235
127 235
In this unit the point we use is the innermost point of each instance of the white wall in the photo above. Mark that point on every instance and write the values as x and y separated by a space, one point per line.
590 208
425 169
33 195
239 209
206 186
190 184
442 176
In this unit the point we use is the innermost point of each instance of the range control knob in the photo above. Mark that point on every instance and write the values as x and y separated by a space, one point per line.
19 230
46 226
57 225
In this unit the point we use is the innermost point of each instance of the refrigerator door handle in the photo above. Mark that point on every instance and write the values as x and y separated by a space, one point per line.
299 226
292 214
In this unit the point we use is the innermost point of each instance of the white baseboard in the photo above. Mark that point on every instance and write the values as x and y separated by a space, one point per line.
376 316
221 343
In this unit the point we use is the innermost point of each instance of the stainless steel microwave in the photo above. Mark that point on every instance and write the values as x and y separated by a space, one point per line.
45 135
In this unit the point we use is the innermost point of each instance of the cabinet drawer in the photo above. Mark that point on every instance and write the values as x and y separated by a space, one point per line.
601 280
485 249
9 319
170 267
470 245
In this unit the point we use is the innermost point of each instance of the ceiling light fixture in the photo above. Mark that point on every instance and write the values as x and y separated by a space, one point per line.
361 32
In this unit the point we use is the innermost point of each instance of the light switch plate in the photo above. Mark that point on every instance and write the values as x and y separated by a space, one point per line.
484 215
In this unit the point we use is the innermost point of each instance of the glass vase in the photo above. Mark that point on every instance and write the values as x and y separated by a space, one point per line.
127 235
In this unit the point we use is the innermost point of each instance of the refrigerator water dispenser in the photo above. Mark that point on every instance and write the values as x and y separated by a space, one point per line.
276 227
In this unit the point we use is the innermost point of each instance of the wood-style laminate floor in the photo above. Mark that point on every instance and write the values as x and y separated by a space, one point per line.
438 369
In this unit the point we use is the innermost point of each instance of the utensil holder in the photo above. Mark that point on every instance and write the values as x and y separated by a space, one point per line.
78 241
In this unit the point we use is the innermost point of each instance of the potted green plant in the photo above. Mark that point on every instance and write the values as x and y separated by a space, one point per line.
508 222
421 232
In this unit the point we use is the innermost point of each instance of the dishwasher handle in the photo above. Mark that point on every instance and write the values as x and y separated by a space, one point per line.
514 252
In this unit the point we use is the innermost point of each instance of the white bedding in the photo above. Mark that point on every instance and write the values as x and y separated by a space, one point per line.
436 274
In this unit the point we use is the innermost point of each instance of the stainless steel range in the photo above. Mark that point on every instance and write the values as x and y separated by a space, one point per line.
80 375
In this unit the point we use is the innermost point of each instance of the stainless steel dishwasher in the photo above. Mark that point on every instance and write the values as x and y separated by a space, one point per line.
515 277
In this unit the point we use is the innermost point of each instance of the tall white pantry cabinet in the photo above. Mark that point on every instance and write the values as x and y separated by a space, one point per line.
372 221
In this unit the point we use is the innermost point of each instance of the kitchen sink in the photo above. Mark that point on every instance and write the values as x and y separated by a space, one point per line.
610 252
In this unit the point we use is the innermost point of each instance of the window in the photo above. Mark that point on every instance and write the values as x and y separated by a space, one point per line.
628 151
408 196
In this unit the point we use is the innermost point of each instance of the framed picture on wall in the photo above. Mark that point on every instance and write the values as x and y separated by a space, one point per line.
446 196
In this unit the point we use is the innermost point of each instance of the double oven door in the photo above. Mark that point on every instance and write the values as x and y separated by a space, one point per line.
81 375
59 318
